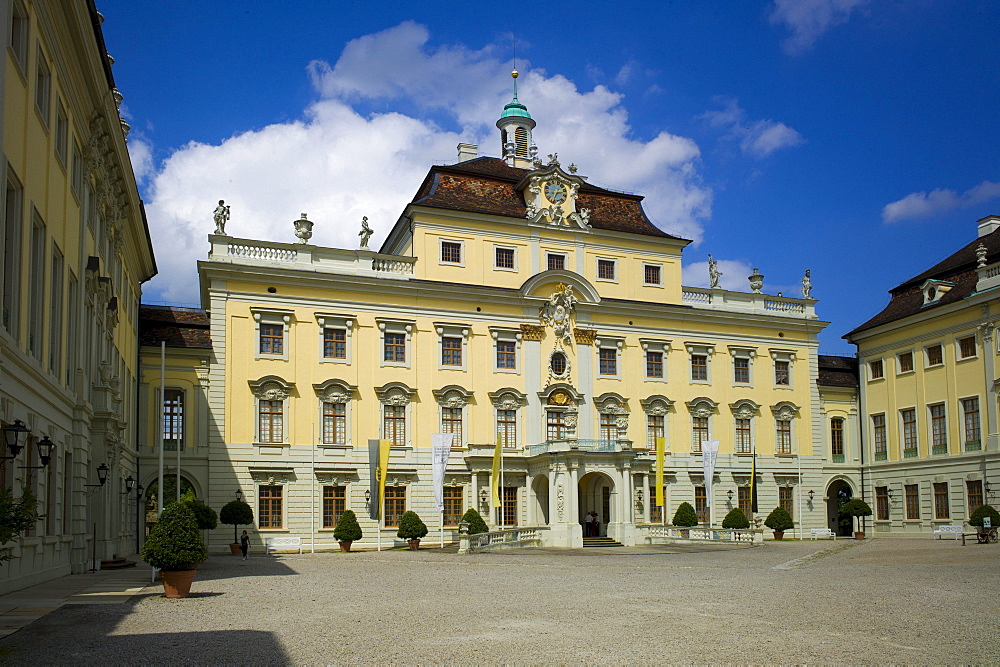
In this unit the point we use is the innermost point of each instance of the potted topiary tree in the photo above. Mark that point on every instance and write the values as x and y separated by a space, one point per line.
175 547
857 508
475 522
736 519
779 521
686 517
205 516
347 530
411 529
976 519
236 513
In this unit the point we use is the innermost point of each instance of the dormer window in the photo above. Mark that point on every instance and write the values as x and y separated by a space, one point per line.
933 290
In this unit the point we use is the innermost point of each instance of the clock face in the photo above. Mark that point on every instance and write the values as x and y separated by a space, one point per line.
555 192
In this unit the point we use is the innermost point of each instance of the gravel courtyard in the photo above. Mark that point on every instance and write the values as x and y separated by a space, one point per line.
880 601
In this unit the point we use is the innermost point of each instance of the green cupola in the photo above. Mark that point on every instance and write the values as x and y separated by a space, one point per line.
515 127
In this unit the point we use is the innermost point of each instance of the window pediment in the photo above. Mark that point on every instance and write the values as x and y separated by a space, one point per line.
395 393
335 391
452 396
702 407
508 399
745 409
657 405
271 388
785 411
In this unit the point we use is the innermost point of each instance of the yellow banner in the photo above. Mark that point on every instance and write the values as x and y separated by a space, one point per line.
661 448
383 469
497 465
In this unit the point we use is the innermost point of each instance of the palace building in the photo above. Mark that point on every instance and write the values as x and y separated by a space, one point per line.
515 299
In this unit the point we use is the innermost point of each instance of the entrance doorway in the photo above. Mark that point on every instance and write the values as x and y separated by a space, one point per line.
838 493
595 492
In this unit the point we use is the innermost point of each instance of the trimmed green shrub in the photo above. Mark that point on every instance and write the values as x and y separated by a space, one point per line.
685 516
174 542
475 521
236 513
983 511
411 527
205 516
347 529
857 508
736 519
16 516
778 520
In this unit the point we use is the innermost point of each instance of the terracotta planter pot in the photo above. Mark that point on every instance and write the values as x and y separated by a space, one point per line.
177 583
779 534
234 549
345 546
414 545
859 534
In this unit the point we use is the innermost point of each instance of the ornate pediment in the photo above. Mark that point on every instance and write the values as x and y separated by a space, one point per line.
271 388
335 391
550 196
452 396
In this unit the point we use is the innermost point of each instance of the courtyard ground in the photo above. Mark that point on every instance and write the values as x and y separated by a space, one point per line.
915 601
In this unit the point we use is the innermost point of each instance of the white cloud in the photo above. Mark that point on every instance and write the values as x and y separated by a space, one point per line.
140 152
734 276
758 138
338 165
917 205
809 19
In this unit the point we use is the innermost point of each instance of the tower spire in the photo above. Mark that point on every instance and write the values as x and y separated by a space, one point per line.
515 127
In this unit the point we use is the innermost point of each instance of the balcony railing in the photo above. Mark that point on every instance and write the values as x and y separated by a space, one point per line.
578 445
499 539
657 534
939 449
910 453
974 446
881 456
318 258
838 458
751 303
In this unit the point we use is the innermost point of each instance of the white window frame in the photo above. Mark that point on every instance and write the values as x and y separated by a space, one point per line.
272 316
396 394
963 412
42 65
899 366
930 426
513 249
564 255
654 345
870 371
786 356
742 352
749 410
656 265
404 327
335 391
461 243
272 388
597 269
657 406
460 331
21 23
701 407
513 400
346 322
706 349
958 348
515 336
786 411
615 343
927 359
62 133
453 397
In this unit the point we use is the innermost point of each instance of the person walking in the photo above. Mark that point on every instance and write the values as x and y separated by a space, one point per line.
245 544
588 526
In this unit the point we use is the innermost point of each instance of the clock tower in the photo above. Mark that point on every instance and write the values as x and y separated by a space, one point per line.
515 127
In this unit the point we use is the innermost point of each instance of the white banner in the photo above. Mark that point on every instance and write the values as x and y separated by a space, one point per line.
440 451
709 453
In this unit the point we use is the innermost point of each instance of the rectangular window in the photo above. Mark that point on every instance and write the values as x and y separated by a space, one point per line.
912 501
609 427
701 504
882 503
875 370
173 420
974 490
43 87
62 132
966 347
451 351
905 362
783 437
941 500
272 339
394 424
272 420
334 505
655 428
935 357
555 425
67 501
451 252
782 375
72 329
939 429
909 417
785 501
743 499
651 274
335 343
335 423
19 35
395 505
395 347
504 258
699 367
606 269
507 354
837 439
743 444
55 312
608 361
555 262
509 502
654 364
507 427
269 506
451 422
36 314
741 370
655 512
878 428
699 432
970 417
13 212
453 505
76 178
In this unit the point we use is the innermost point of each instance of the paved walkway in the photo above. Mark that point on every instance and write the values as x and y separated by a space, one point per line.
27 605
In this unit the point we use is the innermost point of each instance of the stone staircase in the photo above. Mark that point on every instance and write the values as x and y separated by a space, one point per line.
117 563
600 542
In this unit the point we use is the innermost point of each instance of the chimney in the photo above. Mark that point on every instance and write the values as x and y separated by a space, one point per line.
989 224
471 152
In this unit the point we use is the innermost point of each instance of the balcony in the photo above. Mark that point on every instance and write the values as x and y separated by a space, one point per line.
939 449
974 446
839 458
910 453
764 304
578 446
881 456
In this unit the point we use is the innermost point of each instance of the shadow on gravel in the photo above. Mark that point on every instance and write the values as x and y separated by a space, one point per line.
224 567
80 635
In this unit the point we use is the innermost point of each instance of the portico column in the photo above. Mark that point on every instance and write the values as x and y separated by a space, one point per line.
574 495
645 490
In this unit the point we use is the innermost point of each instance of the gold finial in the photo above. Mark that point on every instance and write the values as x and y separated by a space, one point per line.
513 74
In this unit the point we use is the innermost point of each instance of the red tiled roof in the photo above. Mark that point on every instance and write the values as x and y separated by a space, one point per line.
179 327
837 371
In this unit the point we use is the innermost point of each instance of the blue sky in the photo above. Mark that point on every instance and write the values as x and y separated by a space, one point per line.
853 138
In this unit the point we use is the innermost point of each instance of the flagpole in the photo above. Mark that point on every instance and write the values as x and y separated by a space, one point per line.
159 434
312 502
799 503
503 513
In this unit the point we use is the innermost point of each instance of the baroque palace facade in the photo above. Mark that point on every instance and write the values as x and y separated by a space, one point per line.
511 299
76 250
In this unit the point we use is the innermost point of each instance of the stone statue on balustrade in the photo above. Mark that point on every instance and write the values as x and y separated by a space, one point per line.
713 272
221 216
365 233
806 285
